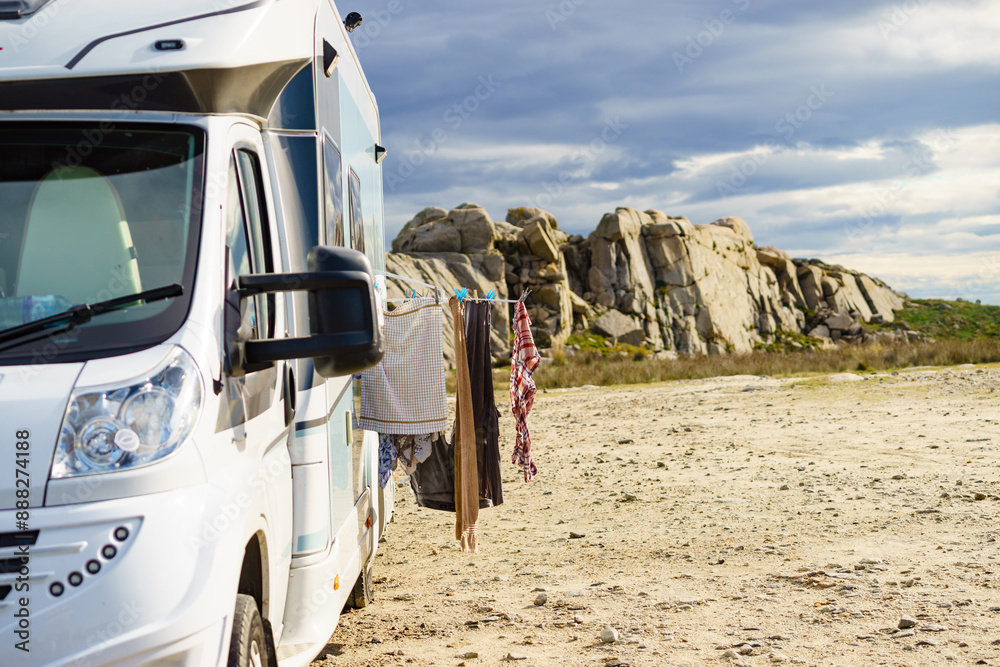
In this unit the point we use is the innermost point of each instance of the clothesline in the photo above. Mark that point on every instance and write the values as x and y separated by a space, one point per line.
462 294
411 280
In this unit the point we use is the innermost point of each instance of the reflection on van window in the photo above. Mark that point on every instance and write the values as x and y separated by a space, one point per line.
93 213
357 220
334 184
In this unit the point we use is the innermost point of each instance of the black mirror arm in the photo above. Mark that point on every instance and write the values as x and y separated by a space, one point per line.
262 353
267 283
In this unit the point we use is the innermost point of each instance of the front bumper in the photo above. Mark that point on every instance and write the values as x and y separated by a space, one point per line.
145 580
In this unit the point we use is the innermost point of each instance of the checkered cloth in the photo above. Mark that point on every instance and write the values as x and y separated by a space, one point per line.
405 393
524 361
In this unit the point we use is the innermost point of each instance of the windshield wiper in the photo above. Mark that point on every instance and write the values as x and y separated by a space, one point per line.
83 313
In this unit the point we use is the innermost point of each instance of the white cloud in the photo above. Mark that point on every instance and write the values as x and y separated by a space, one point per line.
975 277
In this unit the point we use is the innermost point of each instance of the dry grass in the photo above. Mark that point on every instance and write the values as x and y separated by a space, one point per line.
591 367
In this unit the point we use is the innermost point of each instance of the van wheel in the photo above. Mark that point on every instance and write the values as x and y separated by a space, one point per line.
248 646
363 592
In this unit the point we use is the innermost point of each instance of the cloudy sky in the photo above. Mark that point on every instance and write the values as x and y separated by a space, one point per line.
862 132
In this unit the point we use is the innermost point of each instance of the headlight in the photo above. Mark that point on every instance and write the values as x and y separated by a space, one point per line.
119 427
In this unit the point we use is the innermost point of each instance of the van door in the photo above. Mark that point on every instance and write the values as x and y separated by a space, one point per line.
250 234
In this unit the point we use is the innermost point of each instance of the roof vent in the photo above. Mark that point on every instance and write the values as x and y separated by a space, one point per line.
15 9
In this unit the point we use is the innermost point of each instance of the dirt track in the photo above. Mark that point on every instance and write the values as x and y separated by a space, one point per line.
726 521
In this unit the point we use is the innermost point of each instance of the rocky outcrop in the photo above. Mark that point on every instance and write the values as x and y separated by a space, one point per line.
643 278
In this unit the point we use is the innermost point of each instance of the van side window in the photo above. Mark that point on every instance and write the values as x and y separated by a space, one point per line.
333 184
357 221
247 233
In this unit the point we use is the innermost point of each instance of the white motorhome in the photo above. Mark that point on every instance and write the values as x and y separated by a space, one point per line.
190 256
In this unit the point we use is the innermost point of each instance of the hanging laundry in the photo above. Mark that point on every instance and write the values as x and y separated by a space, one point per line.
466 468
413 449
433 482
478 321
524 361
386 458
404 394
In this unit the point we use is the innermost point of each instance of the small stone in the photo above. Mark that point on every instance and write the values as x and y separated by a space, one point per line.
745 649
576 536
927 642
609 635
932 627
471 655
783 487
515 656
579 620
541 599
730 654
904 633
777 657
907 622
980 496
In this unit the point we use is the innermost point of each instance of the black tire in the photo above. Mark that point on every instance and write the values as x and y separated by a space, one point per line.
248 644
363 591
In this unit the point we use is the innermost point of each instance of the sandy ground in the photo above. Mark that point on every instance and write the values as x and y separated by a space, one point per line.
730 521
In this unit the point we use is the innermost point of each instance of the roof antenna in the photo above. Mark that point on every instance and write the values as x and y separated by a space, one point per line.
352 21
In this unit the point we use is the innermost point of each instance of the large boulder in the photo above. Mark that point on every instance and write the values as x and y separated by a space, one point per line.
852 297
882 300
738 225
521 215
538 236
811 283
620 327
476 228
619 276
466 229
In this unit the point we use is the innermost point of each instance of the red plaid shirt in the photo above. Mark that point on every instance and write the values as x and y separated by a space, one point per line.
524 360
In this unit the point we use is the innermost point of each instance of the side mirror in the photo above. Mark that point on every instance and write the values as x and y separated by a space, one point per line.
345 338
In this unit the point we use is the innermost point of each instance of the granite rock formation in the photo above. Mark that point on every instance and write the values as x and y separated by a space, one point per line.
643 278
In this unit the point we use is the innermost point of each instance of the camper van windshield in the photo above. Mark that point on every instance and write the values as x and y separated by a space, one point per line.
92 212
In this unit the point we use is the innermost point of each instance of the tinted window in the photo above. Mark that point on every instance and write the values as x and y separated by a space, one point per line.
247 234
357 220
334 185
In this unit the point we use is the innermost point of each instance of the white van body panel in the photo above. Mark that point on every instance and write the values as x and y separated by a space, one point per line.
301 498
110 37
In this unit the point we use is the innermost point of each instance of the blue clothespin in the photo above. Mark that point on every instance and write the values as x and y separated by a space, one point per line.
414 293
491 295
462 293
